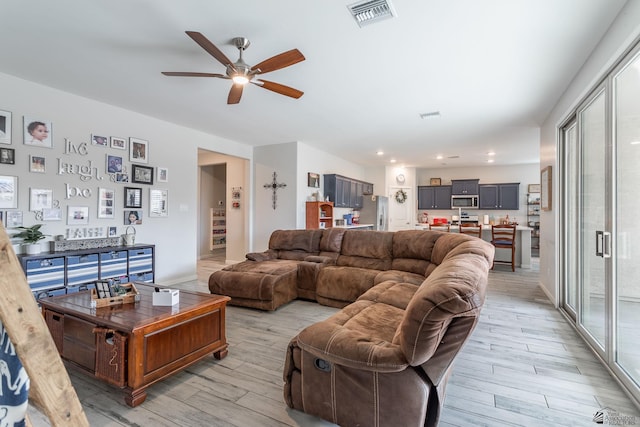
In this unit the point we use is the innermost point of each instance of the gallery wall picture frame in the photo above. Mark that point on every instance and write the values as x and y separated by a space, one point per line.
162 174
138 150
114 163
118 143
313 180
37 164
77 215
133 217
8 192
40 198
13 219
534 188
106 203
546 195
100 140
5 127
141 174
158 203
38 132
435 181
7 156
52 214
132 197
113 231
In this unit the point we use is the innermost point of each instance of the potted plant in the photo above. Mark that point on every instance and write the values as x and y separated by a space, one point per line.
31 237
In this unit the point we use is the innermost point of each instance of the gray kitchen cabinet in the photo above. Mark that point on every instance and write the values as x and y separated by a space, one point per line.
345 192
434 197
464 187
499 196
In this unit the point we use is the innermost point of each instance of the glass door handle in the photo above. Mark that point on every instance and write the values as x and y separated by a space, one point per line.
603 244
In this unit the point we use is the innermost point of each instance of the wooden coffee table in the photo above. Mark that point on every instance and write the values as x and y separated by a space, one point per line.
135 345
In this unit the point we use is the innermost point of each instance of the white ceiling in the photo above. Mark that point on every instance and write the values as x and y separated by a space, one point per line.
493 69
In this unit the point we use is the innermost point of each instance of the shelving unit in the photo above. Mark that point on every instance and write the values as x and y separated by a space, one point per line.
218 238
319 215
533 221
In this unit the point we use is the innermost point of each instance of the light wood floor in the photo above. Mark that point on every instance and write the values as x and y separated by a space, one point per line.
523 366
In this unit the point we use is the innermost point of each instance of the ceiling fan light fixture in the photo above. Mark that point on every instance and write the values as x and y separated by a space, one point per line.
239 79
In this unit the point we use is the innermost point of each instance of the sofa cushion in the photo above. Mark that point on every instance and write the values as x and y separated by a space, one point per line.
359 336
337 286
399 276
396 294
295 244
455 289
369 250
412 250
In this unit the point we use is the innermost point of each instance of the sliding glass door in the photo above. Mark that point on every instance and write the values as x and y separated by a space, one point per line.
600 167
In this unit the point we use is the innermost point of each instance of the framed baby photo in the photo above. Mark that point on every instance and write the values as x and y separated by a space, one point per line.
138 150
5 127
119 143
38 132
141 174
7 156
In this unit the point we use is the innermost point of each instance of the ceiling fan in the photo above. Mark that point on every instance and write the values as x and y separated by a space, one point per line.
241 73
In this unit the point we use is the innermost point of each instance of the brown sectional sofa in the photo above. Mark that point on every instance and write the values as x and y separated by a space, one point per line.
409 300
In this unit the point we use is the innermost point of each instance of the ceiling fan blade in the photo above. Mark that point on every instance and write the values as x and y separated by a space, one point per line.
235 94
278 88
277 62
189 74
210 48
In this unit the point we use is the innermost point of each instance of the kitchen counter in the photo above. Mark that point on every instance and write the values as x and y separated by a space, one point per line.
523 243
363 226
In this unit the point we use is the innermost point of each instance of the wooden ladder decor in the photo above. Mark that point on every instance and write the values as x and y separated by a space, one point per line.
51 390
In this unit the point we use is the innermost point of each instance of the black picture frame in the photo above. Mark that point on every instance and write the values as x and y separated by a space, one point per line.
141 174
7 156
132 197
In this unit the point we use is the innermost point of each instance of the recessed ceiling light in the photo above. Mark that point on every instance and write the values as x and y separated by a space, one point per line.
439 157
392 160
491 153
380 153
490 161
635 142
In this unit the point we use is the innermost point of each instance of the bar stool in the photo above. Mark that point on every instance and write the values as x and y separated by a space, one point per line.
471 229
440 227
504 237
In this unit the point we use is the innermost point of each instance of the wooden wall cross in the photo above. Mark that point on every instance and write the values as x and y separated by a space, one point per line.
274 185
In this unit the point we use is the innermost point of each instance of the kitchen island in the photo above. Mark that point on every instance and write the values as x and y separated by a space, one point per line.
523 243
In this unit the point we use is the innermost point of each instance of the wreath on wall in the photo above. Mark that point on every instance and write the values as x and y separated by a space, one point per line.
401 196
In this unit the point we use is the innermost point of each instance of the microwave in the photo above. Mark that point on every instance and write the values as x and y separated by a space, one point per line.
466 202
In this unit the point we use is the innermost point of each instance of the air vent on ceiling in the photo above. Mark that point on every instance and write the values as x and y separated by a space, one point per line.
370 11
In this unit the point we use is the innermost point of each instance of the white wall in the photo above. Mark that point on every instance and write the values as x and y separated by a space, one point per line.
171 146
624 30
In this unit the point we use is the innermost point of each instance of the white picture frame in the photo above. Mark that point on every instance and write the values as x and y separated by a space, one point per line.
8 192
52 214
138 150
77 215
5 127
118 143
158 203
37 164
106 203
39 199
162 174
38 132
13 219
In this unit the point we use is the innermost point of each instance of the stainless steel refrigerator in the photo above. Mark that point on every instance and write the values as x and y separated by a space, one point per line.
375 210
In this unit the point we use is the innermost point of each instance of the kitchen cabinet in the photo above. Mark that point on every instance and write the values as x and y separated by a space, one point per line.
319 215
499 196
464 187
346 192
434 197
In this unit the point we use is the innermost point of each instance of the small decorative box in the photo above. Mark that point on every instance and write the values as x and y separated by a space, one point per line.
166 297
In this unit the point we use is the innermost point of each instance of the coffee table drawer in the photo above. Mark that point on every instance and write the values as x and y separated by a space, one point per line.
79 342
